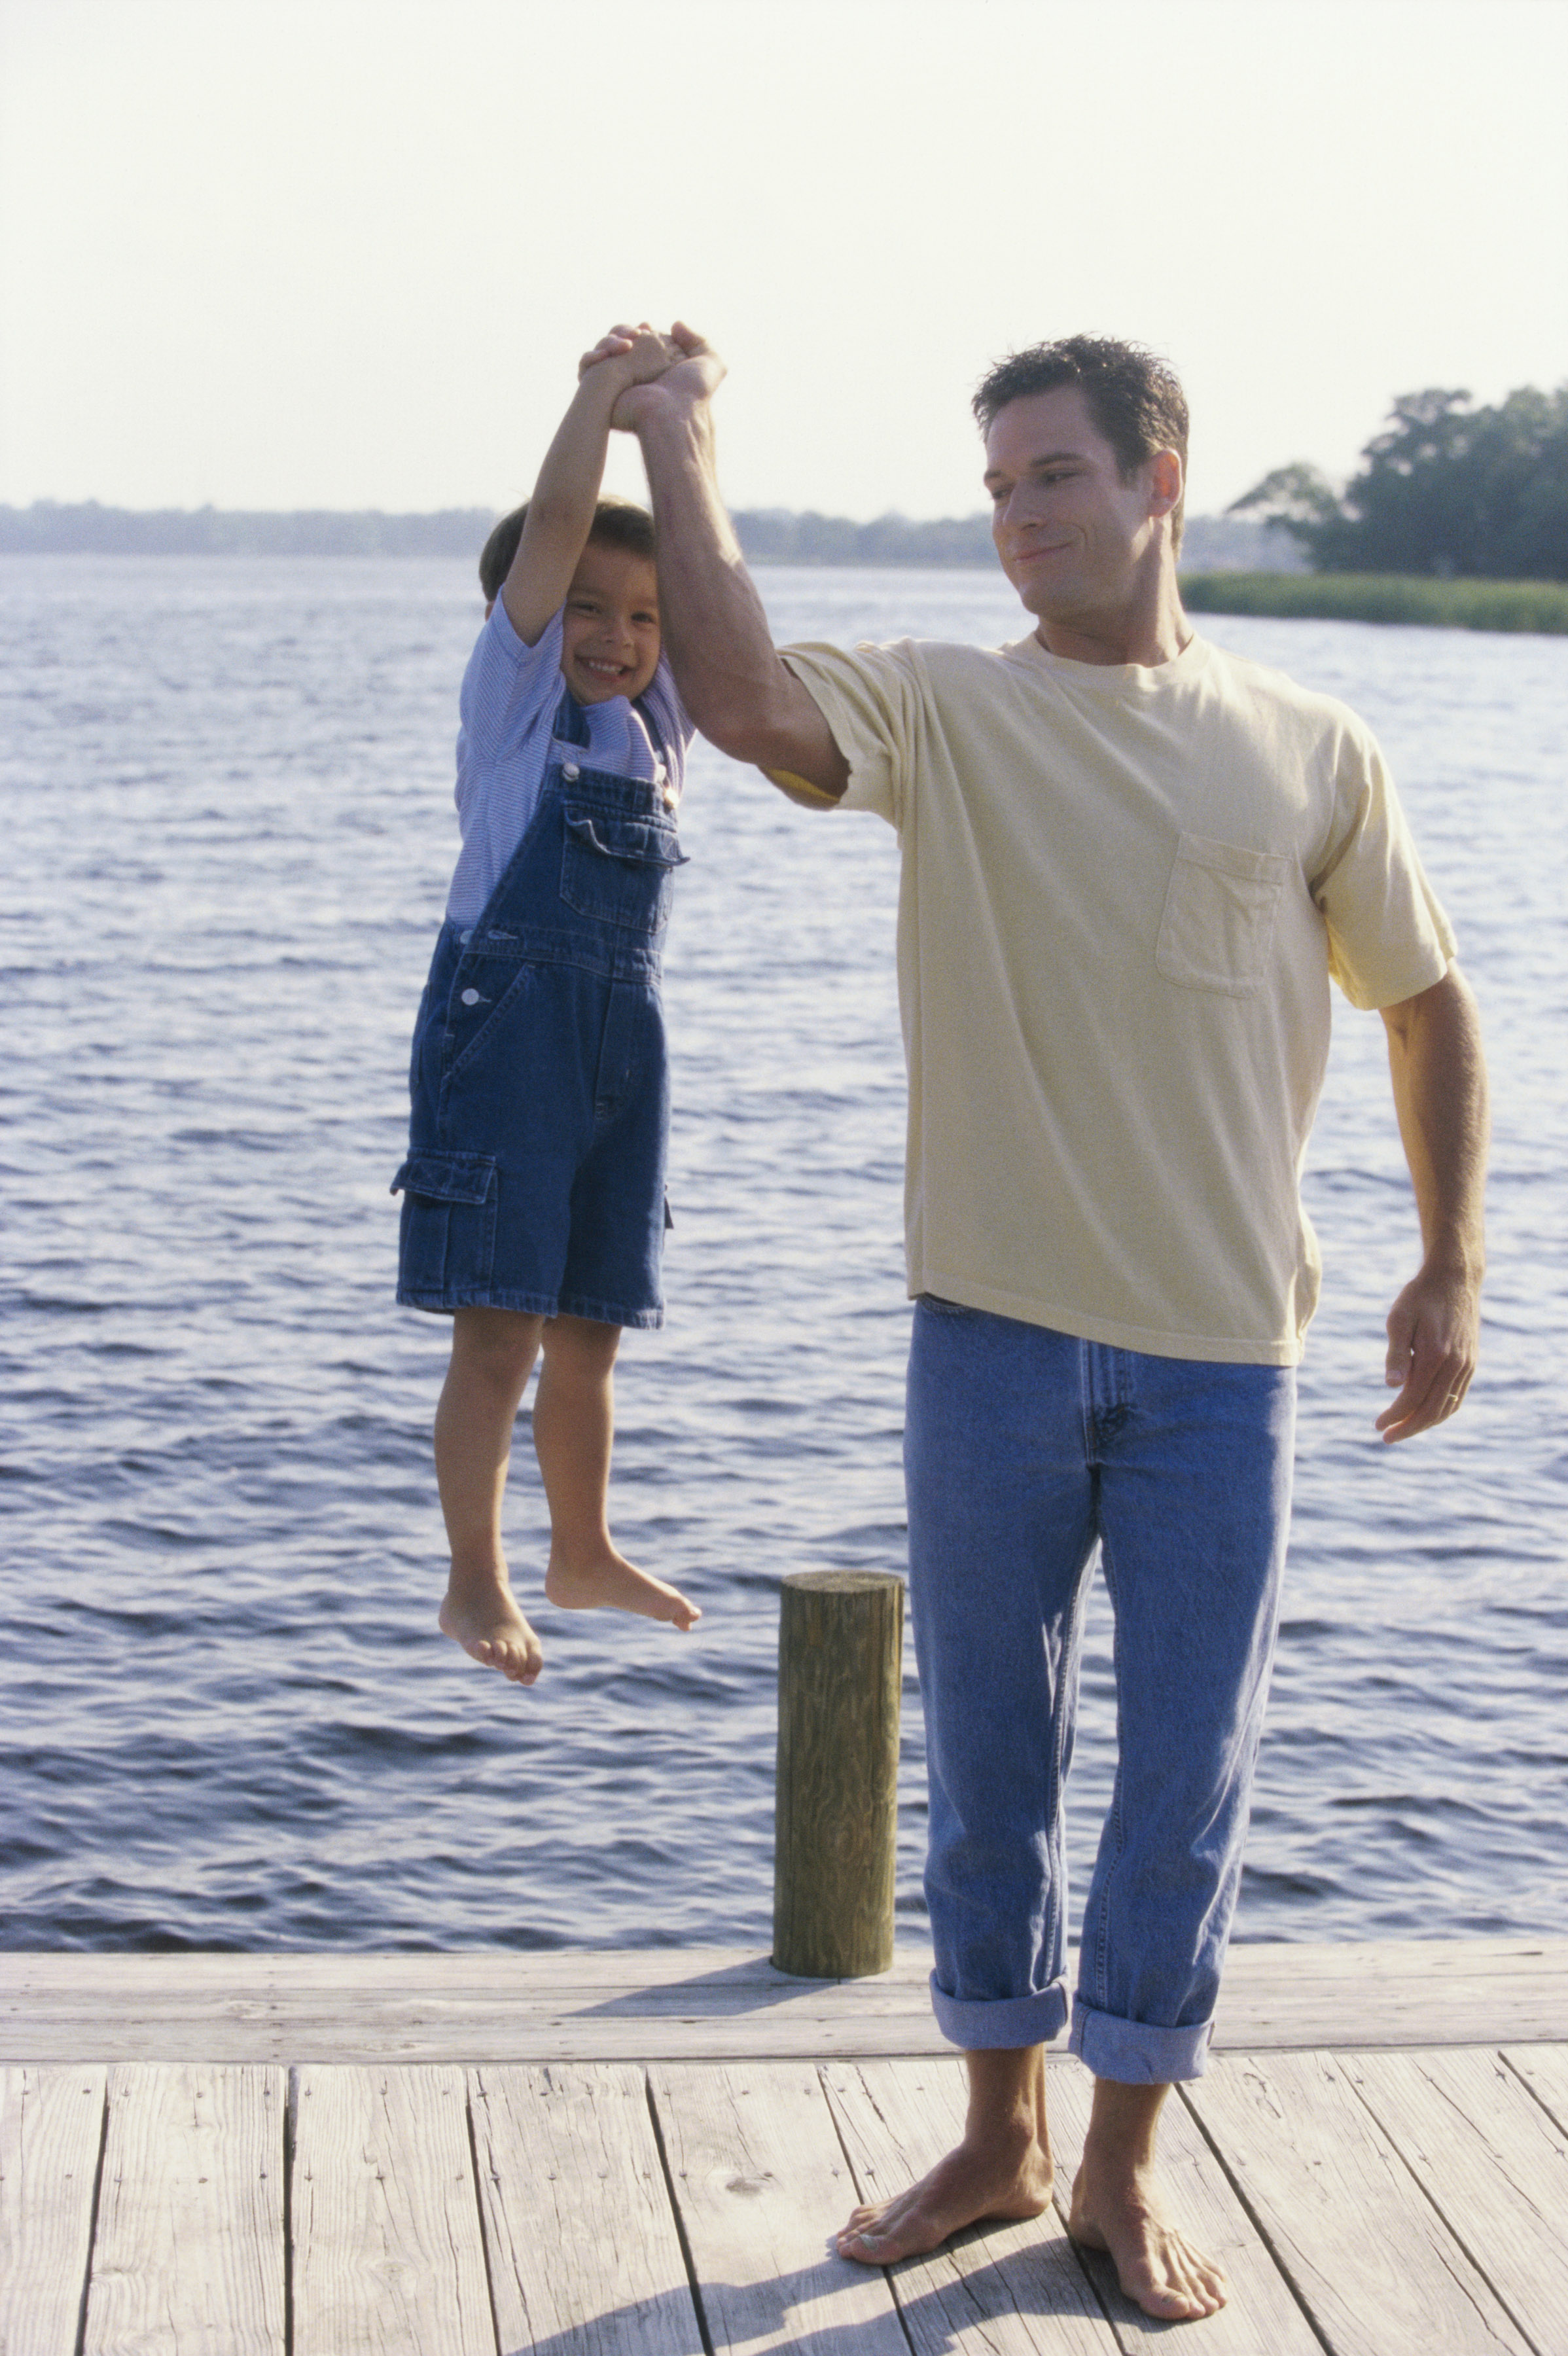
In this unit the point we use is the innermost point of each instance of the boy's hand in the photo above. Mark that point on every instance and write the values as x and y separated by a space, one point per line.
692 373
638 353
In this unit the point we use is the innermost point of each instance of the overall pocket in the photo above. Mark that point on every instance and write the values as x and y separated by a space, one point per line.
449 1233
619 871
1219 916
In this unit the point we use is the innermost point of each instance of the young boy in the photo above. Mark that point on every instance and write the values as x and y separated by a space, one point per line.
533 1195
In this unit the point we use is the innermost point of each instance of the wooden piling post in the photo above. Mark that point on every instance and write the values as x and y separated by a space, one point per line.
841 1645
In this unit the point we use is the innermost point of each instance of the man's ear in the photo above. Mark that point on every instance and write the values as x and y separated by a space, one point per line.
1164 482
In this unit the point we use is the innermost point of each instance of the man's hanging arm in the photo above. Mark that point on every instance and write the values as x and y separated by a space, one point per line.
1439 1076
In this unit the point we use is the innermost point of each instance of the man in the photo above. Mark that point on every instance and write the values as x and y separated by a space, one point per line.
1131 864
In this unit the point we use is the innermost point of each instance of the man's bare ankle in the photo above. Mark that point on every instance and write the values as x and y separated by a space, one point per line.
1008 2145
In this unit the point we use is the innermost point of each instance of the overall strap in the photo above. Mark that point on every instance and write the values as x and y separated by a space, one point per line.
644 709
571 720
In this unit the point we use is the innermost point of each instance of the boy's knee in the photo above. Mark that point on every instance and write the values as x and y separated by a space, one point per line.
495 1338
581 1341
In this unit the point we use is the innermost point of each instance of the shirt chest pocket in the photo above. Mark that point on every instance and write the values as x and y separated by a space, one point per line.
1219 917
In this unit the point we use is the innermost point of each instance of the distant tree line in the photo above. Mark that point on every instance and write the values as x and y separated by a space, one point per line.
768 535
50 528
1447 489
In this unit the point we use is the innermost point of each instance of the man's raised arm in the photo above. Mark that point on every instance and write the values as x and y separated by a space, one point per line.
741 695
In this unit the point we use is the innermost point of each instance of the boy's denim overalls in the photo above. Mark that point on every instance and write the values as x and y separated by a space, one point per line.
540 1080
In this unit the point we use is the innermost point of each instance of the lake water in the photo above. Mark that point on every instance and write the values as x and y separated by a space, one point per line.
227 1718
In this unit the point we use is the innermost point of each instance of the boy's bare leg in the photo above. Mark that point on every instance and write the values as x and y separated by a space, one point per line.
1002 2169
1117 2207
574 1424
492 1352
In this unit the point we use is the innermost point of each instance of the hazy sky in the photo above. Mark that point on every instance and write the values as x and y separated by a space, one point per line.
346 253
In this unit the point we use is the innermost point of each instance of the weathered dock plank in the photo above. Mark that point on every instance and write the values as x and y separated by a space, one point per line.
761 2182
1004 2290
1261 2312
1492 2162
1366 2251
1281 1996
664 2004
1544 2069
584 2257
52 2132
188 2253
388 2249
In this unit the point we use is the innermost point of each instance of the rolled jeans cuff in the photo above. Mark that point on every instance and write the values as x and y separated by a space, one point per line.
1134 2054
1002 2024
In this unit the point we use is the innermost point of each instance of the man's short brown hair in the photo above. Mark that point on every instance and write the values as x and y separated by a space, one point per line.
617 523
1134 397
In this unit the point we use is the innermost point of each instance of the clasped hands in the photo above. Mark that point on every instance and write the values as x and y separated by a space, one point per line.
682 365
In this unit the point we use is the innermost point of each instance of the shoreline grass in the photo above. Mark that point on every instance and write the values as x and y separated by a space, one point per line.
1539 606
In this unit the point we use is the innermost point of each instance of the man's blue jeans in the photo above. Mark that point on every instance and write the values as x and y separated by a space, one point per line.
1025 1447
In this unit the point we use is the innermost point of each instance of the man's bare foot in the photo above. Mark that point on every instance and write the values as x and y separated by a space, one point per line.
481 1613
968 2184
1120 2212
604 1580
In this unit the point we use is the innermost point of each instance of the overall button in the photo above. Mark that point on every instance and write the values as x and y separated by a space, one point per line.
569 769
470 997
467 936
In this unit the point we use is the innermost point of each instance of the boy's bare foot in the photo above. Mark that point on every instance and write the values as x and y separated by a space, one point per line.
1120 2211
968 2184
604 1580
481 1614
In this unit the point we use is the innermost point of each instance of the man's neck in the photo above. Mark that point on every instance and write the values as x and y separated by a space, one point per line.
1149 629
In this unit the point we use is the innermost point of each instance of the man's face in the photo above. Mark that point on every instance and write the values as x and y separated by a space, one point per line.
610 643
1070 533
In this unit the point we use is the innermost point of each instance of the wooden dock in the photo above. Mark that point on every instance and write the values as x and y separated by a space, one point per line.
483 2154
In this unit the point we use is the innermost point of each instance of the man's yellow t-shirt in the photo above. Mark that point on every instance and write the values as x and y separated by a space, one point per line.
1123 892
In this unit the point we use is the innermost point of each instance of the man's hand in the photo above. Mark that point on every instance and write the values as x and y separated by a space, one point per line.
1434 1330
693 372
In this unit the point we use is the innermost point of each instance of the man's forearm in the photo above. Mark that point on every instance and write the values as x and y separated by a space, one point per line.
714 626
1439 1075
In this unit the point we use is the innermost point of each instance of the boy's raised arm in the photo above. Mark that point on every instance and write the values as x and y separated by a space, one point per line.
561 507
741 695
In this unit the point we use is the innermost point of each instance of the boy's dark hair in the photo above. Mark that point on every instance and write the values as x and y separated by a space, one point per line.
1134 397
617 523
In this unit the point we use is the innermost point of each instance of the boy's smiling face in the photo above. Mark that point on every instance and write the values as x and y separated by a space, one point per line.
610 643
